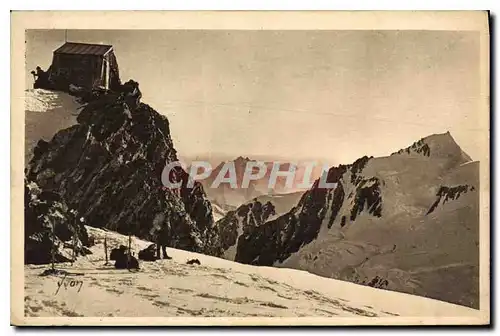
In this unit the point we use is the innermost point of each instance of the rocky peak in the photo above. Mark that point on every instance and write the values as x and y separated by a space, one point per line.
437 146
50 225
246 217
240 160
110 166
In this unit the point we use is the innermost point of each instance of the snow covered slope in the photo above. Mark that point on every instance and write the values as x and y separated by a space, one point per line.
46 112
408 222
216 288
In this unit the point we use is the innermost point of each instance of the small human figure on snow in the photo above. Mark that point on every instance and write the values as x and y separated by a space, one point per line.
40 77
162 237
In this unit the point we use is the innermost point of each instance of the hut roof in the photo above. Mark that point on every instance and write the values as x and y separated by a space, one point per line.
83 49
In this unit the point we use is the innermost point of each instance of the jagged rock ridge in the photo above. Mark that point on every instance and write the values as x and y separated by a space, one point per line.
237 222
110 164
302 224
446 193
50 226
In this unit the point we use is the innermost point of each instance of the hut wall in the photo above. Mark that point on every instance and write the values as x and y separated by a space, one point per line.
80 70
114 79
83 70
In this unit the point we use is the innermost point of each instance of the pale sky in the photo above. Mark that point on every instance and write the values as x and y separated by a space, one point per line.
327 95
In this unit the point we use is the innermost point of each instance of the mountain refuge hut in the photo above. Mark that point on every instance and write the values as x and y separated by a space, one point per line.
84 65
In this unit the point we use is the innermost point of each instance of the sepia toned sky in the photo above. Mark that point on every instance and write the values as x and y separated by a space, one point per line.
328 95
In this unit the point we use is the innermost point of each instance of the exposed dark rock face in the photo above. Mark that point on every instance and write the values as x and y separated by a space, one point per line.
49 223
276 240
419 147
243 219
255 213
288 233
264 245
376 282
357 167
368 193
110 167
338 200
449 193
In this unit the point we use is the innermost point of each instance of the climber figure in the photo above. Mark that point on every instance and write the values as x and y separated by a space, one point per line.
40 77
162 237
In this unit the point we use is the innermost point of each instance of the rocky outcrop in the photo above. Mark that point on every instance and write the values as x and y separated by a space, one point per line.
367 198
419 147
51 228
244 219
446 194
436 146
276 240
110 164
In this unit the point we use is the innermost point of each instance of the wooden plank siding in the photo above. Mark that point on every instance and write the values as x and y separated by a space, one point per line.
83 70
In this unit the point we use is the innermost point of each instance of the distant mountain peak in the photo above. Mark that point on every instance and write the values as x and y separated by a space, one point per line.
444 137
437 145
403 212
242 159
